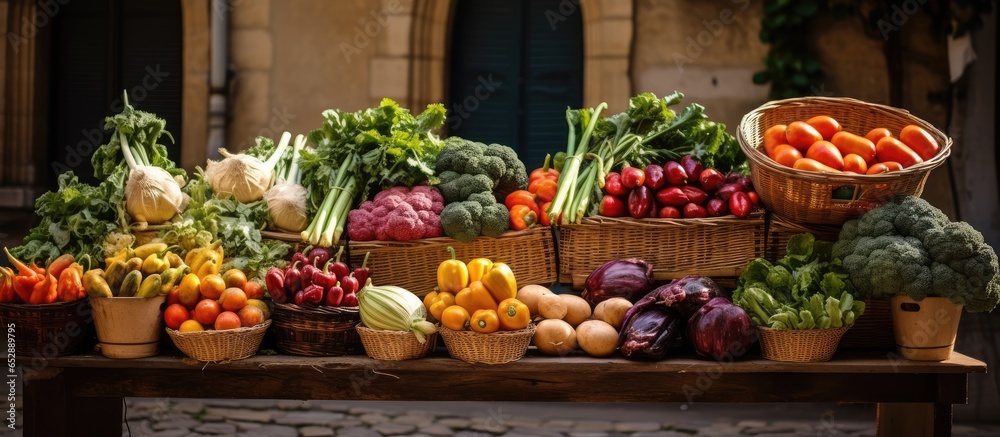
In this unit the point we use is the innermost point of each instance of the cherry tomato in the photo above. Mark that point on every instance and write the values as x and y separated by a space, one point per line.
884 167
825 125
877 134
855 164
786 155
774 136
918 139
801 135
813 165
826 153
891 149
849 143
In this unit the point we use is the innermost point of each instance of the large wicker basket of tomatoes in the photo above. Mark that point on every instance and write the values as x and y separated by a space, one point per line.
824 160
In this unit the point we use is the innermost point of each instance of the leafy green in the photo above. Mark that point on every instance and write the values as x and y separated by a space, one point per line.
142 130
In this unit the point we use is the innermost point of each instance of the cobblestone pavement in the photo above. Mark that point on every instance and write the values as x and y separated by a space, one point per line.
251 418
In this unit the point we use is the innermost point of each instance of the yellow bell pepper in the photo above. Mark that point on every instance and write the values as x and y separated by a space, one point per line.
475 297
205 261
478 267
500 282
455 318
513 315
122 255
485 321
436 302
154 264
452 274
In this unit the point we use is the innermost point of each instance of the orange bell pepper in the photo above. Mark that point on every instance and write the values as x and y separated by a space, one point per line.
521 197
455 318
543 216
485 321
45 291
475 297
7 294
522 217
70 286
544 189
545 172
437 301
57 266
513 315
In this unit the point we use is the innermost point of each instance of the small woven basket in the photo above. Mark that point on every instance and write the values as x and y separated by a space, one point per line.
493 348
780 230
413 264
316 331
224 345
717 247
799 345
48 330
394 345
807 197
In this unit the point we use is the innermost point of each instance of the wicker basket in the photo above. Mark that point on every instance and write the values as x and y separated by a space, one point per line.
216 346
799 345
316 331
413 264
716 247
48 330
494 348
780 230
807 197
394 345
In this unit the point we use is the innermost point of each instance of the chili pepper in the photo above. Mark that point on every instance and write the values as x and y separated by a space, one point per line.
522 217
363 273
694 194
513 315
24 283
475 297
675 174
740 204
274 279
339 267
70 286
350 300
318 256
57 266
500 282
543 216
350 285
640 202
94 283
521 197
452 274
313 294
654 177
307 271
45 291
334 296
293 278
485 321
7 294
38 269
543 189
613 185
478 268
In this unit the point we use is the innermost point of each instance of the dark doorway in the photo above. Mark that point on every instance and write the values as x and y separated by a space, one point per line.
515 67
99 48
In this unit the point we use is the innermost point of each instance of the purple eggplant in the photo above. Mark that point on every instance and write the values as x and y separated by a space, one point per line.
629 278
721 330
647 334
686 295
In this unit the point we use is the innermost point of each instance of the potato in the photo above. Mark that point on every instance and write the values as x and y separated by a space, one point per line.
577 309
554 337
550 306
529 295
597 338
612 311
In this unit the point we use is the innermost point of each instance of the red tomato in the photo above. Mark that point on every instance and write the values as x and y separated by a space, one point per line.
827 154
855 164
825 125
786 155
801 135
813 165
884 167
774 136
175 314
918 139
877 134
849 143
891 149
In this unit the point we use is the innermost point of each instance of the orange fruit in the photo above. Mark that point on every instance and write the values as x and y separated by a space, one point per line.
234 278
250 316
175 315
207 311
233 299
191 326
254 290
261 305
227 320
189 292
212 286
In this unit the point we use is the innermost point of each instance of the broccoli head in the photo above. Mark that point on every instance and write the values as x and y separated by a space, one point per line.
499 163
479 215
909 246
495 217
514 177
460 188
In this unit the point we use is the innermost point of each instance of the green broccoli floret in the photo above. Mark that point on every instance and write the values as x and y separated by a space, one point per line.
479 215
460 188
495 217
909 246
515 176
500 163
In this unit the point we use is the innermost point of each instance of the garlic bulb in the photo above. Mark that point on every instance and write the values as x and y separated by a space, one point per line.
286 202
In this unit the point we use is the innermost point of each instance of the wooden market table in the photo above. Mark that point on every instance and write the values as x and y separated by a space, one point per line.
82 395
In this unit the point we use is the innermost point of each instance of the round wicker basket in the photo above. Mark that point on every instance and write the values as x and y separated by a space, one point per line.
394 345
494 348
808 197
226 345
799 345
48 330
316 331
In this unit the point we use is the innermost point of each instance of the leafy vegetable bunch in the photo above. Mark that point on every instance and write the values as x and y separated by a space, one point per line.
806 289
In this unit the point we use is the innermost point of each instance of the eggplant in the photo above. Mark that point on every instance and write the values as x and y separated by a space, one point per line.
686 295
721 330
648 333
629 278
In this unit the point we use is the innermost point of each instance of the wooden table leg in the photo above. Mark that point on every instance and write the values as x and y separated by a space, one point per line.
913 420
49 410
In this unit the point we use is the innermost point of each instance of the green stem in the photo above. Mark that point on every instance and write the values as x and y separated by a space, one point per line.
335 223
130 159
